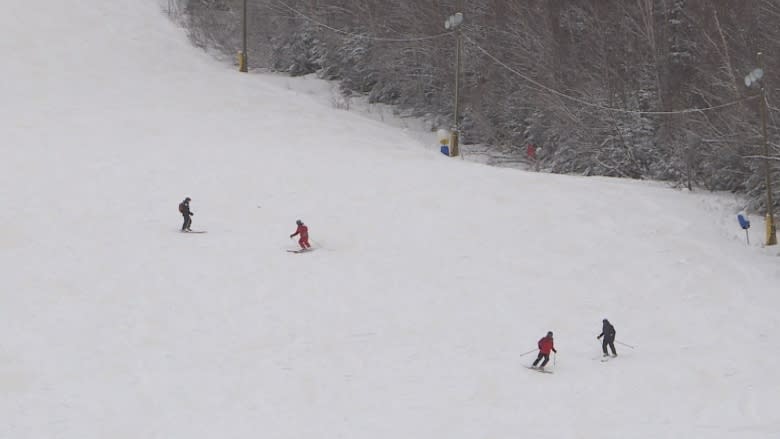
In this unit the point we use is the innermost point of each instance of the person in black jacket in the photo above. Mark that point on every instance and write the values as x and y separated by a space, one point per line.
608 332
184 208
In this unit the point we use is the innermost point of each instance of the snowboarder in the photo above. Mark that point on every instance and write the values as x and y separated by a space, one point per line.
184 209
545 346
608 332
303 231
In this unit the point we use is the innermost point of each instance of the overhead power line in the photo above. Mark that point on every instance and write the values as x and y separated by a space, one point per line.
353 34
528 79
595 105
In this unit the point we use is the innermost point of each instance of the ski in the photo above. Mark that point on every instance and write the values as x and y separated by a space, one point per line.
303 250
194 231
539 370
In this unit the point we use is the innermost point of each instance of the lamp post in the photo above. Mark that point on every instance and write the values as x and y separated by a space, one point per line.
453 23
754 77
242 62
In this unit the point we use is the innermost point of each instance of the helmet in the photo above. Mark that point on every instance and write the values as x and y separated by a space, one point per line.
187 199
299 222
549 333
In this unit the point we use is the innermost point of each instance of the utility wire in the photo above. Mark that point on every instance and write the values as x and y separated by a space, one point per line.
352 34
594 105
521 75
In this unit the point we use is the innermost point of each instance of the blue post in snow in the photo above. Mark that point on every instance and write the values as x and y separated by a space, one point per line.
745 224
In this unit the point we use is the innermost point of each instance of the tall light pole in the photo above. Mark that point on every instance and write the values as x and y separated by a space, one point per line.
754 77
242 62
453 23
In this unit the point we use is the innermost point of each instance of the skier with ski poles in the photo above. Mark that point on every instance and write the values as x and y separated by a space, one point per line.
608 332
184 209
545 345
303 231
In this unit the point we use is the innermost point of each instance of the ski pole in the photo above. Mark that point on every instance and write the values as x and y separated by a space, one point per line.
526 353
555 355
626 345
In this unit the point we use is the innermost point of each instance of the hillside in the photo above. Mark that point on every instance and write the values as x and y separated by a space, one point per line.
429 279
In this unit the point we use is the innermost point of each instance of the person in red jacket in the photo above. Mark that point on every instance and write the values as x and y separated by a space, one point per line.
545 346
303 231
530 151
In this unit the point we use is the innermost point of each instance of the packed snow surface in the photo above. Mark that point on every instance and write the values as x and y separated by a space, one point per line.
431 275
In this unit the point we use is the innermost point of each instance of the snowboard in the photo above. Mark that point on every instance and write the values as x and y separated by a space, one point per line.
539 370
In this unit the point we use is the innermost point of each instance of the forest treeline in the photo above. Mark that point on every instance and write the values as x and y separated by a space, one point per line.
630 88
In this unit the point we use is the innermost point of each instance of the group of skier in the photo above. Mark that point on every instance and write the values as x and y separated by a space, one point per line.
302 231
547 345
